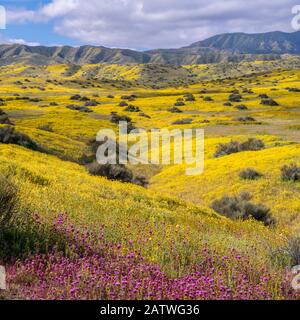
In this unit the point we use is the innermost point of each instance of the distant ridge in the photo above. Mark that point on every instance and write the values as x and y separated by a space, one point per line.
231 47
259 43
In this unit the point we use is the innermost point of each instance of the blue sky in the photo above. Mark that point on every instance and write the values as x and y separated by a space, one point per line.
139 24
39 33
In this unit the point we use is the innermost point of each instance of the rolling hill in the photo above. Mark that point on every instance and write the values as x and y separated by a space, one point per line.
233 47
259 43
75 235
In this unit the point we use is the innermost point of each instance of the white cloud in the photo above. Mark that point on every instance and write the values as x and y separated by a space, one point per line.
20 16
157 23
5 40
22 41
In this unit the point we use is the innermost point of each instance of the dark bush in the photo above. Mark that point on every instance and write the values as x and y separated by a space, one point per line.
9 135
183 121
76 97
249 91
179 104
115 118
79 108
250 174
208 99
224 149
117 172
189 97
175 110
269 102
290 172
263 96
130 98
240 207
132 108
140 181
84 99
293 249
241 107
293 89
251 144
110 171
91 103
8 200
22 98
245 119
4 118
123 104
35 100
228 104
142 114
235 97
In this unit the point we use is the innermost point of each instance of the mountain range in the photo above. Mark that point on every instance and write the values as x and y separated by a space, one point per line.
230 47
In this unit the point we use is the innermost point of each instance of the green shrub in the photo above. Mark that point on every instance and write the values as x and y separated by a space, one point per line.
224 149
183 121
290 172
293 249
115 118
249 91
241 107
179 104
251 144
130 98
240 207
91 103
189 97
249 174
123 104
263 96
8 200
84 99
235 97
175 110
117 172
132 108
245 119
4 118
35 100
110 171
293 89
76 97
79 108
269 102
9 135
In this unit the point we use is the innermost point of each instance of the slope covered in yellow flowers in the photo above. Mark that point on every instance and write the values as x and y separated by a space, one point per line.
171 220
